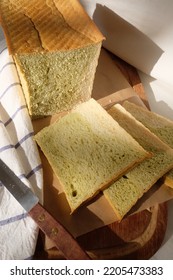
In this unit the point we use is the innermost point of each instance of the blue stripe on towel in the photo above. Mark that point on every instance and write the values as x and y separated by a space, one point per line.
32 172
13 219
7 147
3 50
13 116
24 139
2 149
5 65
10 86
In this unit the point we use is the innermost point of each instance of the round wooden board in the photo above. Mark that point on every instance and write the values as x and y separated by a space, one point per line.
138 236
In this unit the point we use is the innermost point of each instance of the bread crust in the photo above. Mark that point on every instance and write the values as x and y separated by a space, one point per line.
46 25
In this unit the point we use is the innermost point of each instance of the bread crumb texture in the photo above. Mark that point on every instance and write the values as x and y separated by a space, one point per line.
87 150
126 191
55 82
161 126
56 48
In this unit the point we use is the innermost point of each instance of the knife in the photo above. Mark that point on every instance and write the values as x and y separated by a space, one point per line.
62 239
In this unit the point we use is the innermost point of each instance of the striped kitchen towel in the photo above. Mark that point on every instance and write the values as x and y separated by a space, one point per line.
18 232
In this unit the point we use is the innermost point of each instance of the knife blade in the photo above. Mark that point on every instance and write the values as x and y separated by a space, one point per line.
62 239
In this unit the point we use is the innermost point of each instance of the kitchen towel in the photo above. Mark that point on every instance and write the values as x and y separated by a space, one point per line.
18 232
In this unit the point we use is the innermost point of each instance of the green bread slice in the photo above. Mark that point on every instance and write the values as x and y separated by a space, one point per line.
126 191
159 125
56 81
88 150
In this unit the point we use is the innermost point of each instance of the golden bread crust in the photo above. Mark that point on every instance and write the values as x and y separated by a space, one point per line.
46 25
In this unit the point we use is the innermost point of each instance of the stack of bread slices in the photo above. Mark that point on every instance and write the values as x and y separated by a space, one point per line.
92 150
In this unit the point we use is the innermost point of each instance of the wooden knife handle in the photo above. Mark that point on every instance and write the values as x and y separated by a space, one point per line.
62 239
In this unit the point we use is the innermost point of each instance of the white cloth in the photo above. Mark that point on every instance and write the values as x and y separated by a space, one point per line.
140 32
18 232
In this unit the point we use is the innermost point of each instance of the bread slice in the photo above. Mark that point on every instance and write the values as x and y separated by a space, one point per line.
126 191
159 125
56 47
88 150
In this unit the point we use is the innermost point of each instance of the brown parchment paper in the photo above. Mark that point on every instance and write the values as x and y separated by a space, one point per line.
110 87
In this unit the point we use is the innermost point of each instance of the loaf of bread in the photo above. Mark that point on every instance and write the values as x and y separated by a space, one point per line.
159 125
126 191
88 150
56 47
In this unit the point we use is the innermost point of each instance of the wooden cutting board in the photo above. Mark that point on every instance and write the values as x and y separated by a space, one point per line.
137 236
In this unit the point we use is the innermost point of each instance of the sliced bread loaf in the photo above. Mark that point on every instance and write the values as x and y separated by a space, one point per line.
159 125
88 150
125 192
56 47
